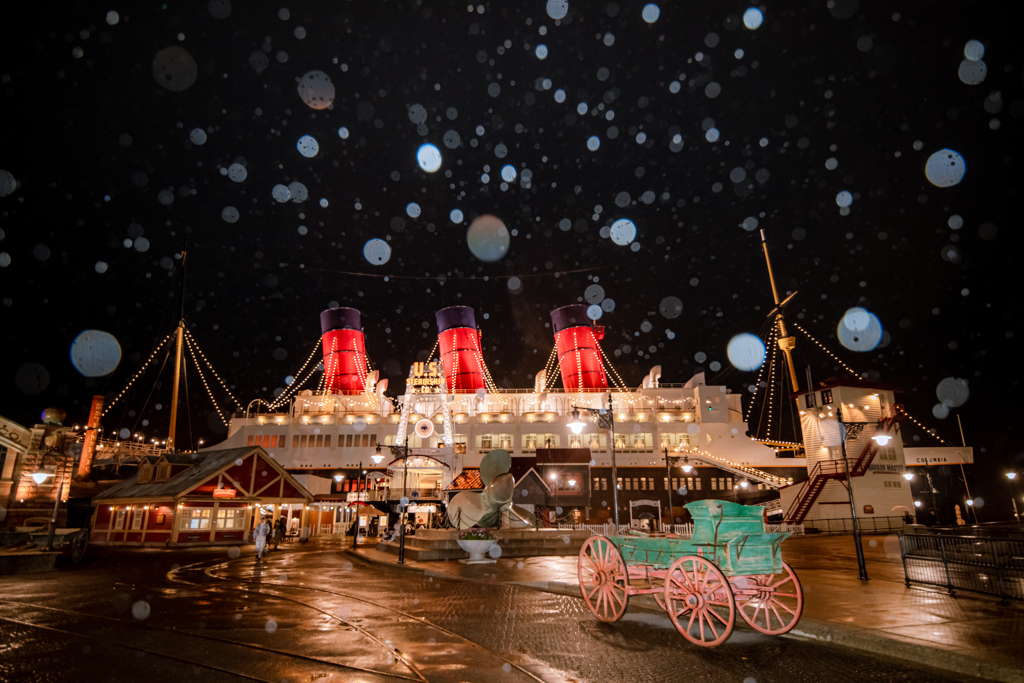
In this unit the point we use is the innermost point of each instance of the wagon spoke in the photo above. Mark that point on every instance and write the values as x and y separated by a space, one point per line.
782 622
779 603
701 622
719 617
757 609
711 624
592 593
620 597
775 586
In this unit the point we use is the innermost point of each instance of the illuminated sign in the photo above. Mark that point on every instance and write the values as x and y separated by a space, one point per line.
224 493
425 378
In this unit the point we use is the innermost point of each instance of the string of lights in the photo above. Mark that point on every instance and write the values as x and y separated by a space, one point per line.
822 347
296 384
214 372
199 369
929 431
753 472
769 343
137 374
608 366
550 375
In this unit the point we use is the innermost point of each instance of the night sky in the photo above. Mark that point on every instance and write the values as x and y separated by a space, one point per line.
698 129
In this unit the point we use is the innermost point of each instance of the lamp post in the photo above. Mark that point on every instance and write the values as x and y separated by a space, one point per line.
1012 476
605 419
355 513
402 452
669 461
554 479
848 429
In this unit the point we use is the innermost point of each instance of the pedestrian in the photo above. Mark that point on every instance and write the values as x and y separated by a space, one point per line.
907 519
260 534
933 518
278 532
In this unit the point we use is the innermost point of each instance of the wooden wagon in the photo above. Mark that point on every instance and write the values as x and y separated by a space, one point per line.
730 564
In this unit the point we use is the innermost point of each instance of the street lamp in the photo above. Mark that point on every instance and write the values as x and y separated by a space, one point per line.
377 457
856 427
605 419
1009 475
40 475
403 452
577 424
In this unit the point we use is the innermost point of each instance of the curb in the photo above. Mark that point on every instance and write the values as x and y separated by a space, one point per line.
808 629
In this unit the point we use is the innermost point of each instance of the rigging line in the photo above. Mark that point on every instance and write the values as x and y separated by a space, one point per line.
137 375
769 387
152 389
298 374
483 278
294 386
209 391
214 372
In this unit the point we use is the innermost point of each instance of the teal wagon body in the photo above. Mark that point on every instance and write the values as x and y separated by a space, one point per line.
729 534
730 564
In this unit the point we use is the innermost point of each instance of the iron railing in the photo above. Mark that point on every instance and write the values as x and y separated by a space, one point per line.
868 525
993 566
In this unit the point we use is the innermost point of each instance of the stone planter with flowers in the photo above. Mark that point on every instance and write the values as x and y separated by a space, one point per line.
477 542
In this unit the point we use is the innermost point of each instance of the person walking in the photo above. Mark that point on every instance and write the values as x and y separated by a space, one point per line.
278 532
260 534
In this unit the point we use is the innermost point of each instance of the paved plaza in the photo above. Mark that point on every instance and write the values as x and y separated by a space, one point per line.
315 612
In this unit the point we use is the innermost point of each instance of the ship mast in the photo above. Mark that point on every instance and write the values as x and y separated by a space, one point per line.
786 343
180 339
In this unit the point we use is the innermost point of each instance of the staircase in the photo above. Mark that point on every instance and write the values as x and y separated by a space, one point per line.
836 469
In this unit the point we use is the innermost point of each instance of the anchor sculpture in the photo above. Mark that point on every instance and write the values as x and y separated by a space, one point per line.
483 509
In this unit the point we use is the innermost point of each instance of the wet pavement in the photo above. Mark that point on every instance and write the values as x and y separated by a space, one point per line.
969 624
314 613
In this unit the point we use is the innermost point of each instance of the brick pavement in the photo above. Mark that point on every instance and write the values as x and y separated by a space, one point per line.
967 634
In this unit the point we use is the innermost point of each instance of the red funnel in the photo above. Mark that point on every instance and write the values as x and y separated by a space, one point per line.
461 354
579 357
344 351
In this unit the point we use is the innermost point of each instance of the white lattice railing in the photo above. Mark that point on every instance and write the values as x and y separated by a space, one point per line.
684 530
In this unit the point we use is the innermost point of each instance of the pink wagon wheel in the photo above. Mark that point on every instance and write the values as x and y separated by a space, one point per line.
770 603
603 579
699 601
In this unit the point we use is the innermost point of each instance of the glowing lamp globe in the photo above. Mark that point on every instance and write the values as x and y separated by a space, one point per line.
339 477
744 484
377 458
40 475
881 439
687 468
1011 475
908 475
572 482
577 424
917 503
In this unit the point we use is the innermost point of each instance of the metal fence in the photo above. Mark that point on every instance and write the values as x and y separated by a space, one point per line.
994 566
868 525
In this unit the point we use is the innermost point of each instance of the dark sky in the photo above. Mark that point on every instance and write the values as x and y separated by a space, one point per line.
107 177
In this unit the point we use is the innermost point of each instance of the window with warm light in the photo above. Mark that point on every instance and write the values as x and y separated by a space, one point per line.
231 518
195 518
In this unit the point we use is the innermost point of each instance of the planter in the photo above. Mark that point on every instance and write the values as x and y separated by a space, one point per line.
476 550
